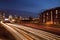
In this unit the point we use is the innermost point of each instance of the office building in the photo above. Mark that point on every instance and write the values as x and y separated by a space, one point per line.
50 16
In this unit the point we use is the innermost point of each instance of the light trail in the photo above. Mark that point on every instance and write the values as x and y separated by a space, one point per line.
27 34
16 34
43 34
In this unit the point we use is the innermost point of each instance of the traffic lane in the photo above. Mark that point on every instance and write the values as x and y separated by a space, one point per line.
46 28
16 34
22 32
5 34
28 34
40 33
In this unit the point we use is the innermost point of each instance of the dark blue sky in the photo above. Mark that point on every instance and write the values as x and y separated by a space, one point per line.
35 6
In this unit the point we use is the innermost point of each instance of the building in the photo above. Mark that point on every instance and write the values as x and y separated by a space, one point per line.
10 18
50 16
21 18
2 16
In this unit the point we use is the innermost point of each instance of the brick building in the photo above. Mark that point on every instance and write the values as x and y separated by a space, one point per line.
50 16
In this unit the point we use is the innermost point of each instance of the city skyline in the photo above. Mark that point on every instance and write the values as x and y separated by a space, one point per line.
33 6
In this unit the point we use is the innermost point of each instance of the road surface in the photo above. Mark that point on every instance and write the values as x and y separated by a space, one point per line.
21 32
5 34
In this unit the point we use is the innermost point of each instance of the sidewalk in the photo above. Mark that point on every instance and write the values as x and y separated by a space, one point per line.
46 28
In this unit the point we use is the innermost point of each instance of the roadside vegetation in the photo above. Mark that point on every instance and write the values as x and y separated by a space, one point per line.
55 25
42 24
50 25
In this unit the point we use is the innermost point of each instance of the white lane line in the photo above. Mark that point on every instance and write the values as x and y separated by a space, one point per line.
40 33
17 35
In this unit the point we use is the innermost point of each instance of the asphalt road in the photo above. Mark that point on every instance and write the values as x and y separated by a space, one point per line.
26 33
5 34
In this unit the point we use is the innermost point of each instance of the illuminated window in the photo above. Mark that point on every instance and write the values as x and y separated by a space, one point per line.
56 11
47 13
51 16
43 19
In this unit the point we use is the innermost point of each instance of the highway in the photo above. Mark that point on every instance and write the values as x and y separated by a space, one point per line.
21 32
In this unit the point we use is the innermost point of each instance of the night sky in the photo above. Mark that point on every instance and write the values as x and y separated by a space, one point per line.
34 6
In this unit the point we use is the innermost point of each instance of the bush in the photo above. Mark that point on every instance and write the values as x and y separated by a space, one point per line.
55 25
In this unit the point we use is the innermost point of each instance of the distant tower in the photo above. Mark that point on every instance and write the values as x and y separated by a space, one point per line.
0 16
10 17
15 17
21 18
3 16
